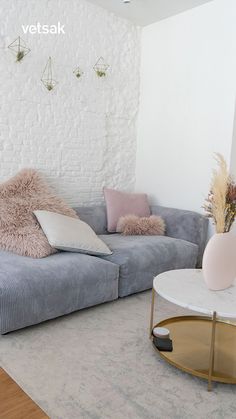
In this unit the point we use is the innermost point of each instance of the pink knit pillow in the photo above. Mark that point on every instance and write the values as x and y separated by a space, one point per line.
131 225
20 231
120 203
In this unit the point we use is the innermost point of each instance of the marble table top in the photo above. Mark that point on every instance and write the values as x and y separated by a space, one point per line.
187 288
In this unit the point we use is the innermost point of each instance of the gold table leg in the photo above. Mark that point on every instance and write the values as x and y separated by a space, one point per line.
152 313
212 351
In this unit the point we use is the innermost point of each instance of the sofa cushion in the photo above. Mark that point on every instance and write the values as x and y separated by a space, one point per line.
141 258
34 290
120 203
19 197
73 235
131 225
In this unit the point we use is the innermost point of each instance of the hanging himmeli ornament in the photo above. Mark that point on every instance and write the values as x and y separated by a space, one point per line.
78 72
19 48
101 67
47 78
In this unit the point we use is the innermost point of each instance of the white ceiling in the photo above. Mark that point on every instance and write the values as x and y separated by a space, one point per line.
144 12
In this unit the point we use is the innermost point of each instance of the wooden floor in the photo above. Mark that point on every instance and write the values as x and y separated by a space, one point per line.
14 402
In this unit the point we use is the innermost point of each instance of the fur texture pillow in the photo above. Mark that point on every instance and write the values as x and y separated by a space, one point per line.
131 225
20 231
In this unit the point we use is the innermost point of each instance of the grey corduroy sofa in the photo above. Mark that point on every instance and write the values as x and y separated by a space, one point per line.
35 290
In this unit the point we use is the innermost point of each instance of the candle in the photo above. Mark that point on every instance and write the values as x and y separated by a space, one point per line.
161 332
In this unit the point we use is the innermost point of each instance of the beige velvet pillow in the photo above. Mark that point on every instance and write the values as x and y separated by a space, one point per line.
20 231
119 204
66 233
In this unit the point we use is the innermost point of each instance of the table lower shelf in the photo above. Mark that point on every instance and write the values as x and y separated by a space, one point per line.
191 337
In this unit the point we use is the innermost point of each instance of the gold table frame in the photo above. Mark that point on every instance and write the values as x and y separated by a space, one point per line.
197 348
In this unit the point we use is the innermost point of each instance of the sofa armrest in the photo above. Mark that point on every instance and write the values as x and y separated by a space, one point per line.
185 225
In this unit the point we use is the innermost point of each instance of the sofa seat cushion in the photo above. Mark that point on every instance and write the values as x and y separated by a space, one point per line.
34 290
141 258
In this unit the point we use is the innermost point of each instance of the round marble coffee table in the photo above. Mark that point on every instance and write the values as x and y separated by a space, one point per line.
204 346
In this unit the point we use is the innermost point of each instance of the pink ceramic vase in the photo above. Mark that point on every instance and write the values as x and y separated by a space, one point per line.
219 261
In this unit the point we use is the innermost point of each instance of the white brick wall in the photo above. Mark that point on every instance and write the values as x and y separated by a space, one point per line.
82 135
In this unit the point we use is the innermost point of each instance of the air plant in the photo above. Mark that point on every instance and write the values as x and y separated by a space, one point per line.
20 55
78 72
100 73
49 86
220 204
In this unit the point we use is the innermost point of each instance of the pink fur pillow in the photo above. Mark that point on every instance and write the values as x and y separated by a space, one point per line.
131 225
20 231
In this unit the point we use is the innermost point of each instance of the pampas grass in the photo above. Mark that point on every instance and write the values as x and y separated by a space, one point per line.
220 204
219 188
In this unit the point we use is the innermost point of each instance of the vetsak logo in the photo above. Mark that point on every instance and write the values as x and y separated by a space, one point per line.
45 29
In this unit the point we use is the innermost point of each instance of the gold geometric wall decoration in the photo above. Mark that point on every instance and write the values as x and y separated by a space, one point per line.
47 76
101 67
19 48
78 72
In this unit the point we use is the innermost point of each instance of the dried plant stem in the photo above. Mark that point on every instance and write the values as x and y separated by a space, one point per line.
219 189
220 204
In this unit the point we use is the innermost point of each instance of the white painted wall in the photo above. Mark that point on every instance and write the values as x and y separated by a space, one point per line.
233 149
82 136
188 85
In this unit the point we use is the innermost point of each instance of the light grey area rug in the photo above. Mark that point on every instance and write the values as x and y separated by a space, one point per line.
99 364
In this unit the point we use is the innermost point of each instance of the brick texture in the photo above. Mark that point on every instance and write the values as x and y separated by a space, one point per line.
82 135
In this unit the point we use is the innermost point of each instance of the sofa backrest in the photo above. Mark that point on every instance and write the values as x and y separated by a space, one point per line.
95 216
